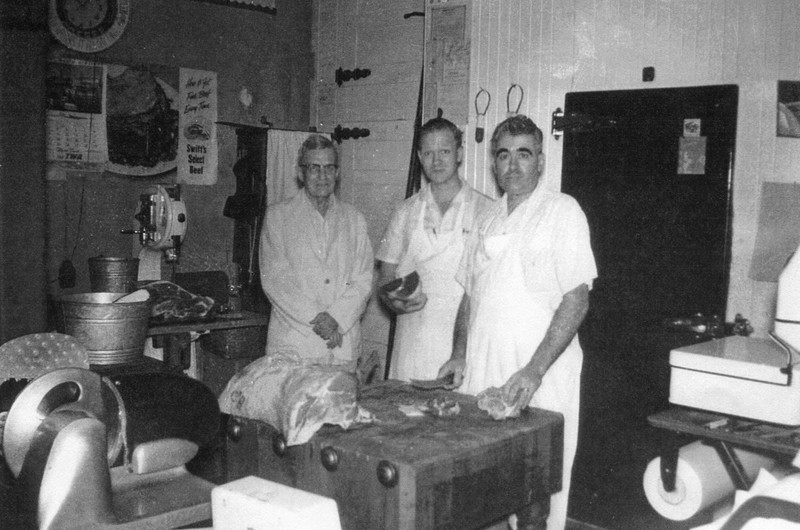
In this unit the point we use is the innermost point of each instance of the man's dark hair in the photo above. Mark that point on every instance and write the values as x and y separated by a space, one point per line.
516 125
440 124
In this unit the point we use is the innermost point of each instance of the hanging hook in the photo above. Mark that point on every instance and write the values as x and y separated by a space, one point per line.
508 100
481 115
488 101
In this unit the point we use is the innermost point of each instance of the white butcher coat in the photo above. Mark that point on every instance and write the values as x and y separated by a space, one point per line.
310 264
516 270
420 238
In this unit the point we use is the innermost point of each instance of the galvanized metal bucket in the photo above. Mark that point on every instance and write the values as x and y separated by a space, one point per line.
113 275
112 333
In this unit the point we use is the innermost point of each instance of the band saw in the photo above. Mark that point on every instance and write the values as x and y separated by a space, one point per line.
161 226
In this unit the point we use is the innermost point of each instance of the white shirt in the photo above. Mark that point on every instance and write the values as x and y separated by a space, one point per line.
310 264
395 240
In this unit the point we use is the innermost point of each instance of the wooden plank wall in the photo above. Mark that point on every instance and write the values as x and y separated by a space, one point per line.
371 34
551 47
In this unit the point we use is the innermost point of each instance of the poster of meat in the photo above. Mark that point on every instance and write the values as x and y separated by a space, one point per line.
197 142
139 121
142 119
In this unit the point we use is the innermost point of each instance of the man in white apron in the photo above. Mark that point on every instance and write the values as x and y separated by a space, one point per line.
316 264
426 234
527 272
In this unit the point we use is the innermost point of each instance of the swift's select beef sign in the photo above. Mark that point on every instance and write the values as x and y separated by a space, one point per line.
197 140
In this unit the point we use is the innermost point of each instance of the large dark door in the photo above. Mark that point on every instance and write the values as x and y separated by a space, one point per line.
660 230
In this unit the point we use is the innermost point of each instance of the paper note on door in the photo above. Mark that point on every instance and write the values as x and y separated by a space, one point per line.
692 156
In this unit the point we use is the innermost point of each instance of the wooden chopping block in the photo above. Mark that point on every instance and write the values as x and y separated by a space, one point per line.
461 471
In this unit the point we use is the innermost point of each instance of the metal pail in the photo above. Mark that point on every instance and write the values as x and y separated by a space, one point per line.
112 333
113 275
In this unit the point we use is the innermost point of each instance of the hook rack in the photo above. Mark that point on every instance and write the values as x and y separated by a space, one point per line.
345 133
347 75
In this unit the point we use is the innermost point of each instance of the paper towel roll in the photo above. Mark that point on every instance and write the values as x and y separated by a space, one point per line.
701 480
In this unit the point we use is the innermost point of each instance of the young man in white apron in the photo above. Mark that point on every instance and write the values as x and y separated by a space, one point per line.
426 234
527 272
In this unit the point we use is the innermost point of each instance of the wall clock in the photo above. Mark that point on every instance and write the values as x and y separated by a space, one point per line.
88 25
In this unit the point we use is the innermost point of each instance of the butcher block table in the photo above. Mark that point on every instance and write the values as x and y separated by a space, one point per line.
399 472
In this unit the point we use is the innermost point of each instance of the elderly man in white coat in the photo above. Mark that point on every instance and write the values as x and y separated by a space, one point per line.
527 273
426 234
316 264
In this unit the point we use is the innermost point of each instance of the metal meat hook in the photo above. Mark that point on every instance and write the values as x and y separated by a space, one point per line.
508 100
479 130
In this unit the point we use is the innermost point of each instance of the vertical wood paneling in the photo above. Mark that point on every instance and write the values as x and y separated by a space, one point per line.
525 61
370 34
789 43
552 47
731 39
704 65
716 40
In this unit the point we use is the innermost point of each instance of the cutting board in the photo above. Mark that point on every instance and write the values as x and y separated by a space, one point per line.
462 471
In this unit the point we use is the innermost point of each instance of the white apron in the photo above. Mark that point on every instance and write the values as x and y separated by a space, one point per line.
424 339
506 325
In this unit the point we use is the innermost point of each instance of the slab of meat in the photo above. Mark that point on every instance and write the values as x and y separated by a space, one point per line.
493 401
172 303
294 395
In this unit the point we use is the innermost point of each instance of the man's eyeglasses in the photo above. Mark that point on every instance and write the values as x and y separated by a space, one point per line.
316 169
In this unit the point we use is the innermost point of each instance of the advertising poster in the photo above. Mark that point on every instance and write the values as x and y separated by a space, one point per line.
197 130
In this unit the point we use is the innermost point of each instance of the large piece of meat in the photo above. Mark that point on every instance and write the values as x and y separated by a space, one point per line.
142 126
172 304
295 396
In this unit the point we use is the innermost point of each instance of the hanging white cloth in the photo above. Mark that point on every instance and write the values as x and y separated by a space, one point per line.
283 148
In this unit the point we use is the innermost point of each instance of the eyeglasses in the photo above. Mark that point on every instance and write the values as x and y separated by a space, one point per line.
316 169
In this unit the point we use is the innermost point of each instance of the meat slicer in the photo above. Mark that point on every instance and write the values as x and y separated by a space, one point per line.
92 451
162 224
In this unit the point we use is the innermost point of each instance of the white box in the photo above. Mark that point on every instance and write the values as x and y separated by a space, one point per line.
252 503
740 376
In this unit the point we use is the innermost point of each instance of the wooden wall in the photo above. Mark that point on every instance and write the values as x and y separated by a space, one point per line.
23 41
375 35
270 55
551 47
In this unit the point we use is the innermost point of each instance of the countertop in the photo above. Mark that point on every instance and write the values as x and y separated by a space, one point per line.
239 319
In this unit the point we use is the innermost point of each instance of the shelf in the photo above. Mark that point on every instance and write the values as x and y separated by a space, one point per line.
240 319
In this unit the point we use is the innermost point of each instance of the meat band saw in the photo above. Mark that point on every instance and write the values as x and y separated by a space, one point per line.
92 451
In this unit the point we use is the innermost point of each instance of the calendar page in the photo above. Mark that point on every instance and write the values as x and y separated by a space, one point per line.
76 118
